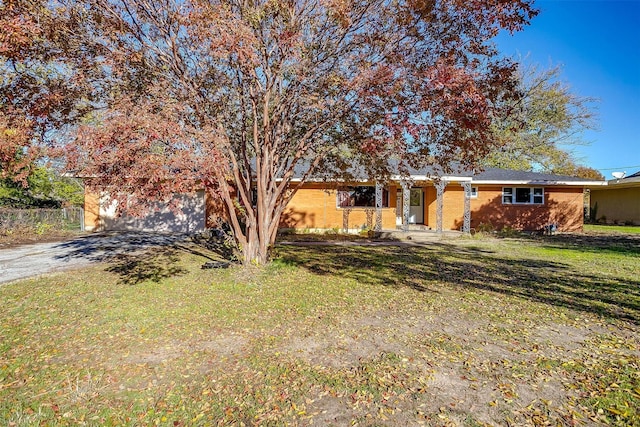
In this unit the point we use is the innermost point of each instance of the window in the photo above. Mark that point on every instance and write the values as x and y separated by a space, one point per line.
507 195
474 193
415 197
523 195
360 197
538 196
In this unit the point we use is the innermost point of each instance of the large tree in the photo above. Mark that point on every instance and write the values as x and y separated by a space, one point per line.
238 96
48 79
540 126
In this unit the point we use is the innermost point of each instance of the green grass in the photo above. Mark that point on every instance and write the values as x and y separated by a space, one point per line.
464 332
612 229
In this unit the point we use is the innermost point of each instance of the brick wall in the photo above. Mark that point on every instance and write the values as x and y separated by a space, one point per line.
452 206
313 206
562 206
214 210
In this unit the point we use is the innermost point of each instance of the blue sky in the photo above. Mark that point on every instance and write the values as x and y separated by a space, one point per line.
597 43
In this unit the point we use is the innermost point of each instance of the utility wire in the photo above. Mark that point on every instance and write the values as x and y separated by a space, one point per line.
619 167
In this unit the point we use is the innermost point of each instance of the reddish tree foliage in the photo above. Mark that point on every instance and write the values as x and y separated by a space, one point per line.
16 40
267 87
146 152
15 156
50 76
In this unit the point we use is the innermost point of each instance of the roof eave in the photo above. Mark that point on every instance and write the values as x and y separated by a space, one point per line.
540 182
449 178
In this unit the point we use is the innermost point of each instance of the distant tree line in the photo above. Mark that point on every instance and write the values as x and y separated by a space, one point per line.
43 188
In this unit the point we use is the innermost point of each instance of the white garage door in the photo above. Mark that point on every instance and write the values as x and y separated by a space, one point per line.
190 219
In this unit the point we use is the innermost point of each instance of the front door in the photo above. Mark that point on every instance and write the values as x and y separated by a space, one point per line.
416 206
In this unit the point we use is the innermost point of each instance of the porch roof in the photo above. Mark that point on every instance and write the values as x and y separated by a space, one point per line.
494 176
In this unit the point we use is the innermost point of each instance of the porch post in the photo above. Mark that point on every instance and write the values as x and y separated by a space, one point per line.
439 203
466 221
378 225
406 185
345 219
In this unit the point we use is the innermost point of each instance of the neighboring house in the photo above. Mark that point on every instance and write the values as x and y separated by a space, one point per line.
493 199
618 202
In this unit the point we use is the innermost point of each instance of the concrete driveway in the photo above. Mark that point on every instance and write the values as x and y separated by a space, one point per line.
40 258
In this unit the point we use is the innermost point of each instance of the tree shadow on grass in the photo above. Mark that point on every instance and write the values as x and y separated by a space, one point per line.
106 247
429 267
138 257
159 263
151 265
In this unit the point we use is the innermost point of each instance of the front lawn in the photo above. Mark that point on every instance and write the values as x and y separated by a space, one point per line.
458 332
612 229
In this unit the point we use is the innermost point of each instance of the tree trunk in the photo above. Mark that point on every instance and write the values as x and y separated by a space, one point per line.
259 238
256 249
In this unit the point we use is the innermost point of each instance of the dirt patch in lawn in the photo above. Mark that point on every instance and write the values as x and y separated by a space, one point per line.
219 347
459 369
20 239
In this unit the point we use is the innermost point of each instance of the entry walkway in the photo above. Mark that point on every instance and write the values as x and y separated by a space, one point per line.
383 238
418 235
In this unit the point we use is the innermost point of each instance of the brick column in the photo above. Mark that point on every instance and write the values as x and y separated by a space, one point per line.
406 186
466 221
440 185
378 224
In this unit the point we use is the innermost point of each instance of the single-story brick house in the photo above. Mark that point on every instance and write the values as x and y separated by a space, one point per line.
495 198
618 202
